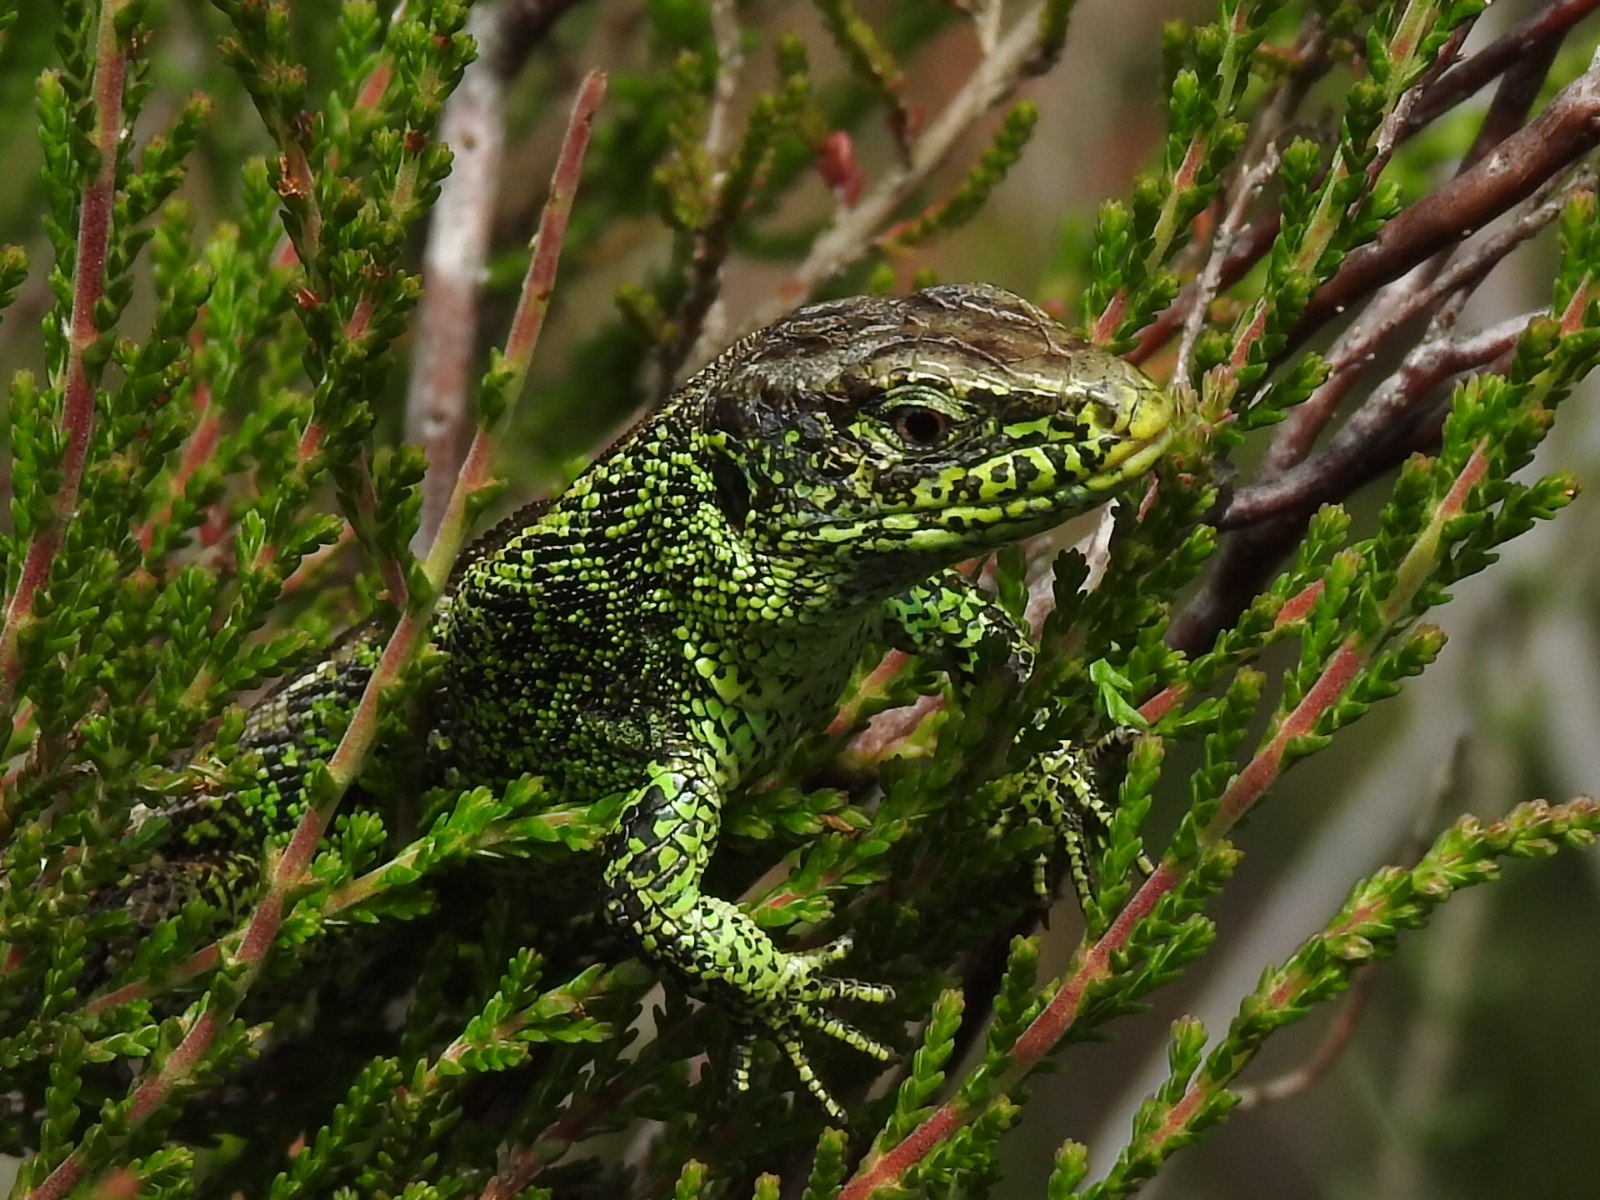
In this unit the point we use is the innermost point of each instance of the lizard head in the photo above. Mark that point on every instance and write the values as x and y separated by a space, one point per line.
925 427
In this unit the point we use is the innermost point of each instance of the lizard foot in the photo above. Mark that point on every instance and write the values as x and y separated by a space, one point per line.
1060 794
797 1001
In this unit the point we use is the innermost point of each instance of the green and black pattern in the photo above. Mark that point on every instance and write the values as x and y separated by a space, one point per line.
698 598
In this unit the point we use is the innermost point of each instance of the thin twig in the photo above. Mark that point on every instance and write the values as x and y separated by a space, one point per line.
1362 983
1248 556
1394 126
986 18
1229 231
696 322
526 323
1547 27
730 65
1309 1073
1251 244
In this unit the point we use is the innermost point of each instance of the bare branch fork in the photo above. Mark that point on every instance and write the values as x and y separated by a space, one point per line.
1355 452
1514 53
1512 174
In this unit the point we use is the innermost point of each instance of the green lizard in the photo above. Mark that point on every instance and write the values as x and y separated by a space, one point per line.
698 598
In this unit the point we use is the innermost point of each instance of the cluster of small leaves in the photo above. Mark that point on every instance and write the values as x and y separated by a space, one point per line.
703 200
157 562
353 177
973 192
90 600
1329 207
868 59
1194 1096
1135 241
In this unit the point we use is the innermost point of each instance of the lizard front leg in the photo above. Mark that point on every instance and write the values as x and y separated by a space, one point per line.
656 858
949 621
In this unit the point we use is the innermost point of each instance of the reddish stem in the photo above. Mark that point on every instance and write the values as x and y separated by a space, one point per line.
1110 318
287 874
201 446
526 324
535 299
1092 964
77 409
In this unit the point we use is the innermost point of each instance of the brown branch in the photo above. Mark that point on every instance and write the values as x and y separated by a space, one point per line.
1567 129
1545 29
1269 517
1513 100
1377 438
526 323
1421 290
438 412
1249 248
1250 244
1439 286
1395 125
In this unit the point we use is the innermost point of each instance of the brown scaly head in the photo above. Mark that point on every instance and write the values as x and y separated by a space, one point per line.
919 430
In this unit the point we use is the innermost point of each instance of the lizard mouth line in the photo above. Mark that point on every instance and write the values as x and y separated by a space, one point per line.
933 524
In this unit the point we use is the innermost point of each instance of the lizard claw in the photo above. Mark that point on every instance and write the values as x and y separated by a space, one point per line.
788 1040
797 1001
1059 794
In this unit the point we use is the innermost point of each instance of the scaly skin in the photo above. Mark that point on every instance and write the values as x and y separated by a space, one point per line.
698 598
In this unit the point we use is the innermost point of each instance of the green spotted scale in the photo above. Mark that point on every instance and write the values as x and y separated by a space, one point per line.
698 598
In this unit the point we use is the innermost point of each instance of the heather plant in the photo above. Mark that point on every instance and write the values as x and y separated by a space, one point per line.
268 366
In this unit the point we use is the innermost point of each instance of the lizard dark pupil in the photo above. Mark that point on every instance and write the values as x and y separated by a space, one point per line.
922 427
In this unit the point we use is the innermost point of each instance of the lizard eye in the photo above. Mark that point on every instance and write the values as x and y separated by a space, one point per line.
921 428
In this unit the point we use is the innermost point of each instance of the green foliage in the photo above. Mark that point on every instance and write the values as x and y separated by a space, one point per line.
207 483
